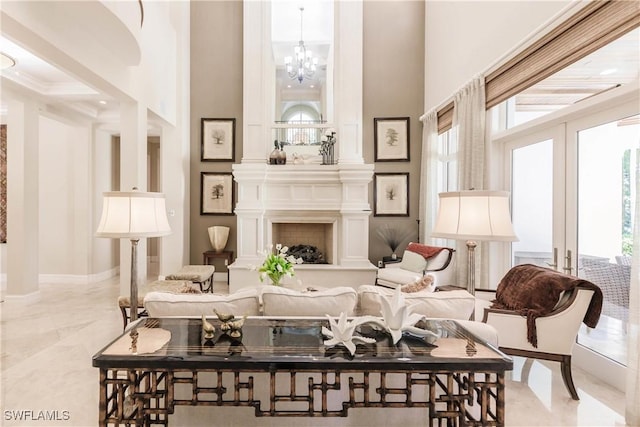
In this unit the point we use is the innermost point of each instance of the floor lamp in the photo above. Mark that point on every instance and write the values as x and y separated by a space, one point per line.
133 215
472 216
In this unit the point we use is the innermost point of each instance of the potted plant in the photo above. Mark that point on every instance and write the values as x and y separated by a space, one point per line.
393 237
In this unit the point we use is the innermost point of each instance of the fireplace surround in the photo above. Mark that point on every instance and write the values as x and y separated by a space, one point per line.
328 202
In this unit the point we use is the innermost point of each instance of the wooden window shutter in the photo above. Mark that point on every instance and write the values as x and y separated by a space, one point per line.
445 118
594 26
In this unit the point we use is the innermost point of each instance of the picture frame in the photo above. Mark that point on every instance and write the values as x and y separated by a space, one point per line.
391 139
217 140
216 193
391 194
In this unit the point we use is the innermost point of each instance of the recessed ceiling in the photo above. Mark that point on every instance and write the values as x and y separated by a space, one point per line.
52 85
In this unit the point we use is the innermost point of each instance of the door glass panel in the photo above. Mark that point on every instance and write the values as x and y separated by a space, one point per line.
532 198
607 163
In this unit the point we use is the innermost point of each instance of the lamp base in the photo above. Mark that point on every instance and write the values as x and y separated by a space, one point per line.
471 273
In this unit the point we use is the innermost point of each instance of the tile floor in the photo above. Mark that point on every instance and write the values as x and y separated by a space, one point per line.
47 346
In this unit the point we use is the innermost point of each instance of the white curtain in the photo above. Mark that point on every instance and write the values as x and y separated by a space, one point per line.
428 175
469 119
632 411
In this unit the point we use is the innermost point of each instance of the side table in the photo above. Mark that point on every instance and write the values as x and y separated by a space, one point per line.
207 256
388 260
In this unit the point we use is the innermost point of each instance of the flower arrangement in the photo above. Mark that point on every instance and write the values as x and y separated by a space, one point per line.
277 264
327 148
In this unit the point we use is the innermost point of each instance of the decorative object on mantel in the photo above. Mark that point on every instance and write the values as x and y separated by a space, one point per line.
278 155
341 332
218 236
277 264
301 159
393 237
208 329
327 149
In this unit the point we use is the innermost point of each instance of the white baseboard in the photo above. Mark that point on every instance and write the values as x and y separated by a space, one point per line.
608 371
27 298
78 279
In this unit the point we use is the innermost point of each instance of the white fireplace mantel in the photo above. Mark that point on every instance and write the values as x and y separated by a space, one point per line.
335 194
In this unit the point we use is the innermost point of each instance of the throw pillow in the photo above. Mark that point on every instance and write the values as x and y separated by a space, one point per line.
187 289
426 282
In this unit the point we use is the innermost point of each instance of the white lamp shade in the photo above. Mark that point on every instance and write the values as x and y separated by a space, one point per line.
133 214
474 215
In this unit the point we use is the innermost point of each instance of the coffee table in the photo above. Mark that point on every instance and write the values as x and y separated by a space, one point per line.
459 379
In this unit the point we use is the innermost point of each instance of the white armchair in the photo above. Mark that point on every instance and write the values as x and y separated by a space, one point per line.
556 332
414 265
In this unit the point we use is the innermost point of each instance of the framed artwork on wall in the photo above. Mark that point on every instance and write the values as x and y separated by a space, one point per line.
217 140
391 194
391 139
216 193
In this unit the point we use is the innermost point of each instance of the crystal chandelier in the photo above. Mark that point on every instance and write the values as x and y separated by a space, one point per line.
302 65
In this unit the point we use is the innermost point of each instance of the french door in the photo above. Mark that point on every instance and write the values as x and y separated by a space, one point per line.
573 192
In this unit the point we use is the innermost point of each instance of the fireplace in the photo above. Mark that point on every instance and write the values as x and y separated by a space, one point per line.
326 206
312 234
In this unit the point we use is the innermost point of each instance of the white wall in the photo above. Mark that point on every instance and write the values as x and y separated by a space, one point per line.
142 70
65 197
464 38
57 216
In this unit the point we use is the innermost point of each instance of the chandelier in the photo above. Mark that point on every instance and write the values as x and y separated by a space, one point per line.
302 65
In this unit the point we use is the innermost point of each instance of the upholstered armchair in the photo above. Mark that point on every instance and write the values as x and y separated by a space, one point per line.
555 332
418 260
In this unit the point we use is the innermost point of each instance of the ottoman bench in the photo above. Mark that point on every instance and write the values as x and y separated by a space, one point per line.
200 274
172 286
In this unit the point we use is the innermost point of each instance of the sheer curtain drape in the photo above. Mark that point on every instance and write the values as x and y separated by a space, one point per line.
428 175
469 123
632 412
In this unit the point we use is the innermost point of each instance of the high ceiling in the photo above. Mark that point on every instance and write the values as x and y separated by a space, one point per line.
618 63
51 85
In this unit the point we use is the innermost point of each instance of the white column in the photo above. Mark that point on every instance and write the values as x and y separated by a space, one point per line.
347 91
22 198
174 170
133 173
258 102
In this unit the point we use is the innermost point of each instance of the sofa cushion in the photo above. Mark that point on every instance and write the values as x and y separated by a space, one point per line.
161 304
413 262
394 277
279 301
458 304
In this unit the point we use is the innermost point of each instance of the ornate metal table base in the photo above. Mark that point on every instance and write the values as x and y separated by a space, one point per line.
147 397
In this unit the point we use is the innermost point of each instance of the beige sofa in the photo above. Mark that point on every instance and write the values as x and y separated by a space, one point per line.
274 301
280 301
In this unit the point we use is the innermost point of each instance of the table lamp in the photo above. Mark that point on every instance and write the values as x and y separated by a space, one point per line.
133 215
474 215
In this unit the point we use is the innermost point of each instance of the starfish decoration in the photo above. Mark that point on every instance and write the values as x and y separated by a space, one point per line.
342 332
398 318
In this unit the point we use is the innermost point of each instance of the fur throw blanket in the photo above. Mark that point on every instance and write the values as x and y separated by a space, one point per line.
424 250
534 291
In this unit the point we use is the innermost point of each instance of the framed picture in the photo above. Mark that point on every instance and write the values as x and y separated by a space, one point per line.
391 136
391 194
217 140
216 193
